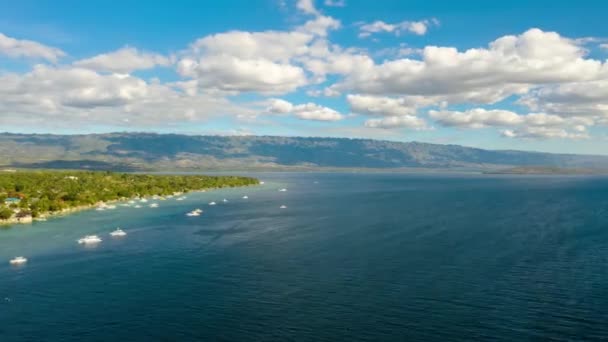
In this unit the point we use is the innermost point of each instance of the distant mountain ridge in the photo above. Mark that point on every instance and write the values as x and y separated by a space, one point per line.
150 151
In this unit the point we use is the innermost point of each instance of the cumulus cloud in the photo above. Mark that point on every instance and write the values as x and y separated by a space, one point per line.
511 65
307 111
16 48
533 125
404 121
588 99
232 74
415 27
578 132
266 62
320 26
125 60
307 6
65 96
386 106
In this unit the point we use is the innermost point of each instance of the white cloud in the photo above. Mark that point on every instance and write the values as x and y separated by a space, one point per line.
604 46
232 74
277 46
511 65
124 60
479 118
415 27
307 6
386 106
265 62
335 3
533 125
404 121
16 48
307 111
587 99
320 25
77 97
545 133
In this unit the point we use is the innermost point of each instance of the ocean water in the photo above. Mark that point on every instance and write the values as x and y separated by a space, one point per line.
354 257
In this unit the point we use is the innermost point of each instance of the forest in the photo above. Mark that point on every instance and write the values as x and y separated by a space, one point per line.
36 193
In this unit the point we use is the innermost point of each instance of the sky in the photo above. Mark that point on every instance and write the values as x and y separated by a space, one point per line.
526 75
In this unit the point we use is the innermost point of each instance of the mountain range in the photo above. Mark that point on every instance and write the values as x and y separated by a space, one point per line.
170 152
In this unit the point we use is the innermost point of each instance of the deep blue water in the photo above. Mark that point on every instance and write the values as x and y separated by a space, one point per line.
354 257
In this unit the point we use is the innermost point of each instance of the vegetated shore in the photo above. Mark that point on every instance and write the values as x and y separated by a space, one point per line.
27 196
72 210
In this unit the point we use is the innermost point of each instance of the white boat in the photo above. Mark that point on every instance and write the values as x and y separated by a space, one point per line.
137 206
225 200
245 197
118 232
143 200
212 203
197 210
283 190
131 202
18 261
154 205
110 207
89 239
193 213
283 207
100 208
261 183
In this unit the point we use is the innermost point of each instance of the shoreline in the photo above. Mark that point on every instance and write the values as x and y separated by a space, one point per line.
4 224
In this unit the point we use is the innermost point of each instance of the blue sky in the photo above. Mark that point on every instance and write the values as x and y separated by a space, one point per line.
498 75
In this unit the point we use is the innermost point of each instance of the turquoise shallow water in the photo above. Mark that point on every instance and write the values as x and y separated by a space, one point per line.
353 257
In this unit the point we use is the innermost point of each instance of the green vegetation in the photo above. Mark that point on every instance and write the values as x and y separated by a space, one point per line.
35 193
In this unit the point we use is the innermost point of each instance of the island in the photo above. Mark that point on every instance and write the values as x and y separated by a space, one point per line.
28 195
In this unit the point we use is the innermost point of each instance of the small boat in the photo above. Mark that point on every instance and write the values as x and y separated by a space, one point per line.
154 205
197 210
131 202
110 207
225 200
18 261
137 206
283 190
100 208
262 183
283 207
89 239
118 232
212 203
193 213
245 197
143 200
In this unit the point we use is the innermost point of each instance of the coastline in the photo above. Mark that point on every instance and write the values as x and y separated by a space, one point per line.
67 211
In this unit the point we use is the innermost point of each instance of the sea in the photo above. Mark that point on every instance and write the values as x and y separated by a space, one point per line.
352 257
